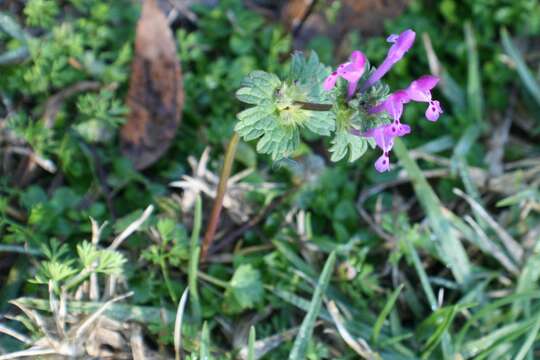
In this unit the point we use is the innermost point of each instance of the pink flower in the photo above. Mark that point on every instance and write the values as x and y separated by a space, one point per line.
420 90
351 71
384 138
401 44
393 105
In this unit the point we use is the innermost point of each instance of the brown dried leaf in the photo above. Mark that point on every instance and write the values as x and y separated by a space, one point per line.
156 95
294 12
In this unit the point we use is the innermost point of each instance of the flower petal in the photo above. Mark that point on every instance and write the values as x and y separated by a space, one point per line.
396 129
383 138
427 82
401 44
383 163
433 111
330 81
392 38
358 60
393 104
420 89
351 89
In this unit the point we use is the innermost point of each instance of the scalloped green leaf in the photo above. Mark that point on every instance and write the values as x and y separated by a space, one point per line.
280 142
322 123
344 142
244 290
258 87
277 117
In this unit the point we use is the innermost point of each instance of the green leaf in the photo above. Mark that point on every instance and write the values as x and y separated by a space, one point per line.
258 87
436 326
310 74
165 227
344 142
299 349
204 353
245 289
41 12
278 115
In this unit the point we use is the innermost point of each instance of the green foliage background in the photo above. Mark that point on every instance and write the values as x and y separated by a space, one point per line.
276 267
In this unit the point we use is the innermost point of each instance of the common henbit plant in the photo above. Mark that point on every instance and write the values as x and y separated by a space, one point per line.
320 102
328 104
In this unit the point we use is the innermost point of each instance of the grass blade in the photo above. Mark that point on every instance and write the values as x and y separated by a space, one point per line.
10 26
527 345
251 344
119 312
438 322
507 333
531 84
298 351
385 311
194 252
178 324
449 248
491 308
359 345
474 83
204 353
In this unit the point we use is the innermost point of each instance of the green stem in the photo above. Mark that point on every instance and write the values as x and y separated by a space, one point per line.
165 273
313 106
212 280
218 202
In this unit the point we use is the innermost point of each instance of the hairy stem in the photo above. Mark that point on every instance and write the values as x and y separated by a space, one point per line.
314 106
218 202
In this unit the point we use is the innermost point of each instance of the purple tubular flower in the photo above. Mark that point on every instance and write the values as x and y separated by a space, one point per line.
393 105
401 44
384 138
384 135
351 71
420 90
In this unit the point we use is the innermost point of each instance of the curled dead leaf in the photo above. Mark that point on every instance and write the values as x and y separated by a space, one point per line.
156 96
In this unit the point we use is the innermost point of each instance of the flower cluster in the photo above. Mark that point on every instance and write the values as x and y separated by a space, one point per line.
419 91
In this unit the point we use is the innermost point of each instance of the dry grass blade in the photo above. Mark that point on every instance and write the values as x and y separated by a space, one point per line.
96 235
492 248
14 334
32 352
134 226
83 328
499 139
55 306
137 344
35 317
360 346
263 346
513 247
45 163
178 324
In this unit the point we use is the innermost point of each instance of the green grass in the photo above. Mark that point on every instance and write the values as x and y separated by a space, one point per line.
443 263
